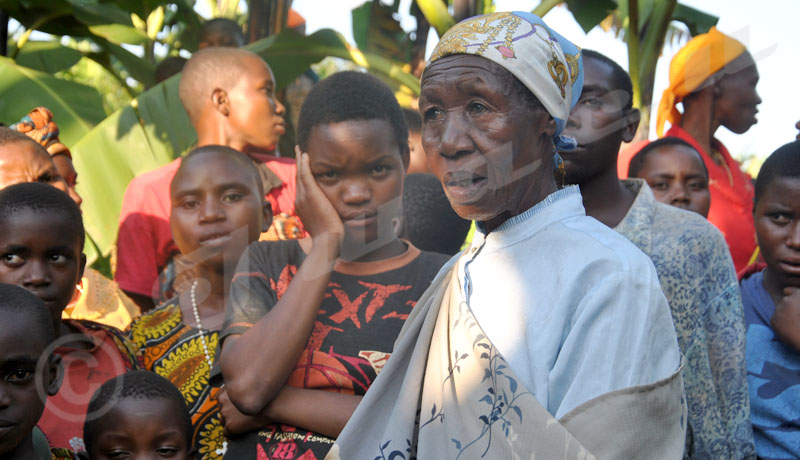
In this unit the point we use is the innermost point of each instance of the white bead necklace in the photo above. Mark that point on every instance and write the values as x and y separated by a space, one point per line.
200 325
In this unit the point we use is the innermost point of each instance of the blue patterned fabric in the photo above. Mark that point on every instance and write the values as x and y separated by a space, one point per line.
698 278
773 376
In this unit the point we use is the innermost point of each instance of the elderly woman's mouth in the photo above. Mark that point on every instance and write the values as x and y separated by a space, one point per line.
464 187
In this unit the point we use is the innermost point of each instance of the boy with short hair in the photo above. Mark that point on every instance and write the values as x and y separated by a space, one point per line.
26 333
229 94
218 209
41 243
691 258
771 300
310 323
675 173
137 415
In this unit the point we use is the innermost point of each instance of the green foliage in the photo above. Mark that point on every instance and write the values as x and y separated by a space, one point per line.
79 107
375 30
589 14
436 13
115 94
47 56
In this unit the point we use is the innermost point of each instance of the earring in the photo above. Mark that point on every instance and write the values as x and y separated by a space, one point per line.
558 166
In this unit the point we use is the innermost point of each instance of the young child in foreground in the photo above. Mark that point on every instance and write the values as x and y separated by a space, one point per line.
41 244
771 301
310 324
142 415
26 333
218 209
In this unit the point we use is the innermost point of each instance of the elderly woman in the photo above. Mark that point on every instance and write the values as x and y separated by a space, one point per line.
549 335
715 78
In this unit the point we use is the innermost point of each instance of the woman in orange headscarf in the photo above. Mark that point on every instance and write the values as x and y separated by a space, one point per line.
715 78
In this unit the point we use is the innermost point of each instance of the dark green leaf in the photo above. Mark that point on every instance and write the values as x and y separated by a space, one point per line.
589 13
49 57
697 21
138 68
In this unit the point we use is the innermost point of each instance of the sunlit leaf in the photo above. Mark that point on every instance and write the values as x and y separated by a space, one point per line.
436 13
49 57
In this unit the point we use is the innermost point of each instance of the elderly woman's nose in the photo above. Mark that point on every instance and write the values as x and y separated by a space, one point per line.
455 138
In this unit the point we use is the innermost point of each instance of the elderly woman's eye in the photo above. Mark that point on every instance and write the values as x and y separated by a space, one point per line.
477 108
433 115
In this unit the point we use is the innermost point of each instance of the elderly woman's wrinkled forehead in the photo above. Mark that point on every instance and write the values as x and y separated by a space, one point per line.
450 68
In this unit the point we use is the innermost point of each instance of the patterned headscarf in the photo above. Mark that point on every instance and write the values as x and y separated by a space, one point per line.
702 57
38 124
544 61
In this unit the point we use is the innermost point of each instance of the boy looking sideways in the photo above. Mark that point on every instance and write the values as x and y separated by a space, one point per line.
229 94
26 332
41 248
310 323
675 173
694 266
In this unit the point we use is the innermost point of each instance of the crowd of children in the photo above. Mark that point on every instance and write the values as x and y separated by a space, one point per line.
266 307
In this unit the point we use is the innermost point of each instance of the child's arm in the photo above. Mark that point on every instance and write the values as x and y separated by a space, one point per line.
256 364
318 411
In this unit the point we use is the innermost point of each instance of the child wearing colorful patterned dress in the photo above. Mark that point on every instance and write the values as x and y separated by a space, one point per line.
217 210
310 323
41 242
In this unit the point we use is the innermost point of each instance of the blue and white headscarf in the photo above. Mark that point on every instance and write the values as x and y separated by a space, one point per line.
544 61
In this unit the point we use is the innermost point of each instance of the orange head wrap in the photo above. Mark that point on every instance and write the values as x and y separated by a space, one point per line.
38 124
701 58
294 19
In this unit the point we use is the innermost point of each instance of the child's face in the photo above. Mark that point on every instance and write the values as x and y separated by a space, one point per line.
418 163
255 115
358 166
20 403
41 253
217 209
141 428
677 177
777 221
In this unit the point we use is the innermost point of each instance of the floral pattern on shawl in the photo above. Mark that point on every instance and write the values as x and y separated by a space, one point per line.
698 278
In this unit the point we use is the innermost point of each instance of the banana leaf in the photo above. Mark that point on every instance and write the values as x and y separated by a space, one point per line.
48 56
77 108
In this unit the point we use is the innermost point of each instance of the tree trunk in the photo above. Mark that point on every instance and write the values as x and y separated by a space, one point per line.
647 81
420 42
463 9
266 17
3 33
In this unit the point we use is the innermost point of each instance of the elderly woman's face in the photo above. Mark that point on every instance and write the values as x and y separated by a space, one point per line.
490 148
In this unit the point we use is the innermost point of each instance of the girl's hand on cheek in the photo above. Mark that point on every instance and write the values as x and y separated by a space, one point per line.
315 210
